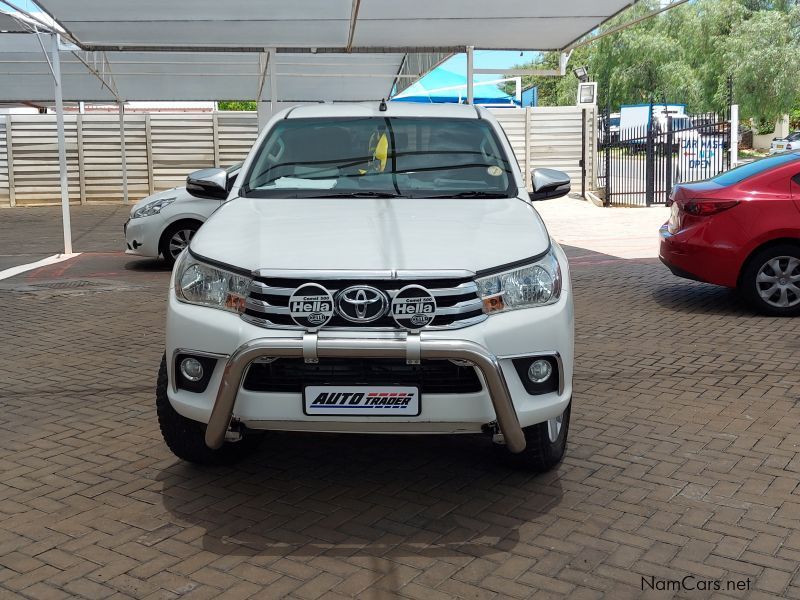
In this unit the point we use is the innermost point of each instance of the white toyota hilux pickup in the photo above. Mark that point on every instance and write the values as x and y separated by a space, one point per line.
377 268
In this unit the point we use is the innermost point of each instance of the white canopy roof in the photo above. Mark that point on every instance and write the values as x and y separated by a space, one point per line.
331 24
326 50
25 75
8 24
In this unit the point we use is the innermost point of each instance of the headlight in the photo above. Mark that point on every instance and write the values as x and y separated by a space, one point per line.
152 208
536 284
199 283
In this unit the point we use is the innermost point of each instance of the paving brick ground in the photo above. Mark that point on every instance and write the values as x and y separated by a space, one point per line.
28 234
682 459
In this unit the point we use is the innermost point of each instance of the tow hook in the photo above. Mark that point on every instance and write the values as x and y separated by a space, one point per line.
234 433
493 429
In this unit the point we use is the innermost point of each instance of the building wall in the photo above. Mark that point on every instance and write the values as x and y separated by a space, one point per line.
763 142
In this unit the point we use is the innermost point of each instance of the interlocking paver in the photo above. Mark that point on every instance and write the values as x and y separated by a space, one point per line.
682 455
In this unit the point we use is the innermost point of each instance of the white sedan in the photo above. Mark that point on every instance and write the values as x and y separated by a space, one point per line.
162 224
790 142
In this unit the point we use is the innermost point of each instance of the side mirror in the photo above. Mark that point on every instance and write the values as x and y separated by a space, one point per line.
549 183
208 183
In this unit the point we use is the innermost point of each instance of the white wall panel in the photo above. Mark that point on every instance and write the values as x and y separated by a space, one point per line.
181 143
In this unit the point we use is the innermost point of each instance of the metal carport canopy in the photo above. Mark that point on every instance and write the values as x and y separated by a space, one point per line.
321 50
9 24
330 25
25 75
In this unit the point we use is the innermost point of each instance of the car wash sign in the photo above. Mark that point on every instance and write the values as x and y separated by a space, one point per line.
700 156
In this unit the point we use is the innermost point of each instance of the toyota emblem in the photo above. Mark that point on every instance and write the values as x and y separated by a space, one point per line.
361 304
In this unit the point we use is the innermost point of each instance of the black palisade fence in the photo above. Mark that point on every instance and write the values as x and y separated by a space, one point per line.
639 165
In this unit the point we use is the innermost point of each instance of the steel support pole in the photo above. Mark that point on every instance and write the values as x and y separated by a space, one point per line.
650 162
583 154
734 133
121 106
62 147
273 80
670 152
607 153
470 75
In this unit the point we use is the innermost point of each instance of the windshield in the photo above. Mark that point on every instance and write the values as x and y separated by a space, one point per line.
380 157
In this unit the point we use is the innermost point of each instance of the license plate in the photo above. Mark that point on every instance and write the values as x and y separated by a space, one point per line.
361 400
780 146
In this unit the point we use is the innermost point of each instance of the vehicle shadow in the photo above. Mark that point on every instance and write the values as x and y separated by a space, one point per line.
700 298
148 265
377 497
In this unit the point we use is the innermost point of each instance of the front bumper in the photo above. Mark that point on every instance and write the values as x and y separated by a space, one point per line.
414 348
493 344
141 236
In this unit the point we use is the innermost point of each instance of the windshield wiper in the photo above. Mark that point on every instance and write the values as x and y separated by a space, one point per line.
358 194
473 194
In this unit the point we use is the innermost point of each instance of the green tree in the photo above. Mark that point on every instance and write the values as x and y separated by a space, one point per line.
764 59
687 55
237 105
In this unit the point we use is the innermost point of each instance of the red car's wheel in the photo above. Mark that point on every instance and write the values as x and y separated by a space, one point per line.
770 280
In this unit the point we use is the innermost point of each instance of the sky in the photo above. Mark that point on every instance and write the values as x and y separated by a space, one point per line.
26 5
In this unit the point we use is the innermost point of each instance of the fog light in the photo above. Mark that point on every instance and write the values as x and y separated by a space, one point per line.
540 371
191 369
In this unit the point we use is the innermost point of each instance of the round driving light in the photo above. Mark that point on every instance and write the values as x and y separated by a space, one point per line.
191 369
540 371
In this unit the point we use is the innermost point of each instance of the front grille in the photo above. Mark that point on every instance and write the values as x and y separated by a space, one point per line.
457 301
293 374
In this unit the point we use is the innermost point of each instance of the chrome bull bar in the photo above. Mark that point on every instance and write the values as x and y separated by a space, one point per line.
414 348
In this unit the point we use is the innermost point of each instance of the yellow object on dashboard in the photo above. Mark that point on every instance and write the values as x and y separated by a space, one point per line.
379 148
382 152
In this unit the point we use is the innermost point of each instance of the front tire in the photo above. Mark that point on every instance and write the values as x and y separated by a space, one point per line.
770 280
186 438
176 238
545 444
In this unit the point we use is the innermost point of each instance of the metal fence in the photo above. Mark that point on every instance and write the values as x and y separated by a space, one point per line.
162 148
558 137
639 165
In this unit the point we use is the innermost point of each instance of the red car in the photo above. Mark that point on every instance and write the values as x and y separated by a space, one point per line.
741 229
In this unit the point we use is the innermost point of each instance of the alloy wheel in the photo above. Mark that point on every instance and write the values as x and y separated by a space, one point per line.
778 281
179 240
